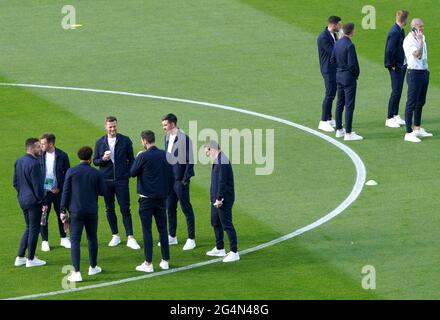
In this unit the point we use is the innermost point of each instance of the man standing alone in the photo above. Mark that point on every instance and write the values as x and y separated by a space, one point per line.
114 156
28 183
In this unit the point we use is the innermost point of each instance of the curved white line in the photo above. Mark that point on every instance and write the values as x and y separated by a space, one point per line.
355 192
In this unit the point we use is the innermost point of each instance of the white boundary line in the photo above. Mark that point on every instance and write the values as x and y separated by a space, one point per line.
355 192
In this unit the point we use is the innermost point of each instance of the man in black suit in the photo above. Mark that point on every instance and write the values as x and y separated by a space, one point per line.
54 165
222 199
347 73
81 189
154 182
326 42
114 157
180 154
395 63
28 183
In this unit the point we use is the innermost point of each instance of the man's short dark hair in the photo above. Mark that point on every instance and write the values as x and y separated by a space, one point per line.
110 119
334 19
170 117
50 137
148 136
85 153
348 28
30 142
402 15
212 144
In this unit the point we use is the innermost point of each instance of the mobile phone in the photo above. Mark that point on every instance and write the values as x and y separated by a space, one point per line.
414 30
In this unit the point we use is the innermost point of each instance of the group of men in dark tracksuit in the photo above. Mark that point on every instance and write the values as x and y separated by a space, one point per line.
340 70
43 178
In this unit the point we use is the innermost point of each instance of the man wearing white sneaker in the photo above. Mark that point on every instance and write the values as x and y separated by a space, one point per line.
347 74
396 65
326 41
54 165
154 182
416 55
28 183
81 190
114 157
222 199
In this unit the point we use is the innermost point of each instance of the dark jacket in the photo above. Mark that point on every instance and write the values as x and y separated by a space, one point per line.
345 56
222 180
154 174
28 182
394 53
182 157
124 158
81 189
62 164
326 44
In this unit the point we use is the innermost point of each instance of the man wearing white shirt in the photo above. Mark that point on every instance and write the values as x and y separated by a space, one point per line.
416 55
180 155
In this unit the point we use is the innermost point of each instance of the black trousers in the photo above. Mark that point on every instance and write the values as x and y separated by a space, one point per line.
330 93
180 193
418 82
397 79
32 217
149 208
120 190
347 99
221 221
55 201
79 221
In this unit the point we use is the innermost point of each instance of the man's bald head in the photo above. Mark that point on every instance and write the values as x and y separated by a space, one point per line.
416 23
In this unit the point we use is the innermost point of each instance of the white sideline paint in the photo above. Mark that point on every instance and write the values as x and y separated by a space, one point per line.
355 192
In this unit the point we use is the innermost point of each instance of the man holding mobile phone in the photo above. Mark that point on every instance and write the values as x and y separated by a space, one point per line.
416 55
396 65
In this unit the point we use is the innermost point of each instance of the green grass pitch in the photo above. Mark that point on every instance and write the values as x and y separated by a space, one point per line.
253 54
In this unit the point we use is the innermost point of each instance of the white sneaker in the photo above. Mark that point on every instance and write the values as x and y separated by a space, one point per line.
352 137
35 263
65 242
171 241
392 123
114 241
325 126
45 246
332 123
189 245
132 243
216 252
75 277
411 137
145 267
422 133
340 133
20 261
95 270
399 120
164 265
231 257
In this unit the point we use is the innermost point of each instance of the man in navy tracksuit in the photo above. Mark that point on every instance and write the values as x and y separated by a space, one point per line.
222 199
154 182
395 63
114 157
347 73
81 189
30 193
54 165
180 154
326 42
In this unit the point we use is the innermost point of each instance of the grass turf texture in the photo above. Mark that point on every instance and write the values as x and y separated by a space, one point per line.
257 55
